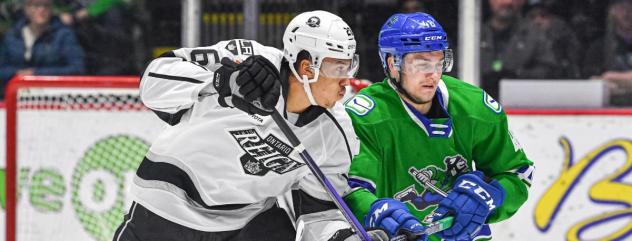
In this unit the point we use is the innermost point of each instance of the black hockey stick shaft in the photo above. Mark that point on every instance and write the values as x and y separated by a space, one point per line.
329 188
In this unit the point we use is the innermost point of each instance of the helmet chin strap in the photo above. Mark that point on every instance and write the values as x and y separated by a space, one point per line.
401 89
306 81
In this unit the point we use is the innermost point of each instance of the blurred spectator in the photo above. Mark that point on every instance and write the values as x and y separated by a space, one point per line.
587 17
39 44
538 46
565 46
9 11
104 30
411 6
610 58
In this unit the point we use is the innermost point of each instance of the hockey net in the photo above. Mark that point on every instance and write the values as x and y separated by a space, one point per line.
72 145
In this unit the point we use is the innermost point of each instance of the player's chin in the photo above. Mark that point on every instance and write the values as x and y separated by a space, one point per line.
332 102
426 94
424 99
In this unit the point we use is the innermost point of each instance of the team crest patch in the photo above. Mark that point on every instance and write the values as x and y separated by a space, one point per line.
440 178
491 103
264 155
360 104
313 22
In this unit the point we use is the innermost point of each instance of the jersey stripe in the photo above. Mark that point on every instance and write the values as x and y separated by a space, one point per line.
171 119
342 132
173 77
525 173
166 172
355 182
120 232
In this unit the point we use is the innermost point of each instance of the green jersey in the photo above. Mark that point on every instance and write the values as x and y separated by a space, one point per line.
464 130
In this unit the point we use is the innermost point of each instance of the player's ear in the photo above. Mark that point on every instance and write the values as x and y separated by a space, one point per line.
392 71
305 69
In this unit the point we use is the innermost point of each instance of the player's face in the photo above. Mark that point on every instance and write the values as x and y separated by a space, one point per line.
420 75
333 78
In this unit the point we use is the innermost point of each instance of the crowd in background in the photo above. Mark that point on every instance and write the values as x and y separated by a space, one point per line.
544 40
69 37
520 39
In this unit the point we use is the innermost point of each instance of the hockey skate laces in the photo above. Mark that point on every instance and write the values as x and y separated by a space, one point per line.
340 68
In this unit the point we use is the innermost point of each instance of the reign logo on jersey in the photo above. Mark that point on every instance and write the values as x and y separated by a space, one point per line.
264 155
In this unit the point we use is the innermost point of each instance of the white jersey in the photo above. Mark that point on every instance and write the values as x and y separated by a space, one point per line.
215 168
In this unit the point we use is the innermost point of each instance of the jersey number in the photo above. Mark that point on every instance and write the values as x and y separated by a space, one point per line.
205 56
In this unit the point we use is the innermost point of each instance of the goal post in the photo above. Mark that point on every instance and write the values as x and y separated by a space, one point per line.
72 143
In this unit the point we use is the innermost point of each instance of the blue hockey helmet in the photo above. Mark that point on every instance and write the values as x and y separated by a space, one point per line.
412 32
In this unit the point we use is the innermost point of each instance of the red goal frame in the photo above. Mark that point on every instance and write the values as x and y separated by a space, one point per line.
11 93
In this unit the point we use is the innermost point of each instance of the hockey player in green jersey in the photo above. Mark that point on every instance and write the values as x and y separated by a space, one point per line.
420 128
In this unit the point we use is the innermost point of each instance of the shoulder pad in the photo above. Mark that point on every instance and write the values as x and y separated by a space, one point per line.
360 104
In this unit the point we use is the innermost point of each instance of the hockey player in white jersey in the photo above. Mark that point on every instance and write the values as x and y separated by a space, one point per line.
214 173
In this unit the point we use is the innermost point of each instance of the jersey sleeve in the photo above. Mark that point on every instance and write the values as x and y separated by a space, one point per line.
363 172
499 155
172 83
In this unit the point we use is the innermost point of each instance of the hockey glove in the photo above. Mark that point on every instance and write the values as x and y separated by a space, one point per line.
252 86
394 217
471 201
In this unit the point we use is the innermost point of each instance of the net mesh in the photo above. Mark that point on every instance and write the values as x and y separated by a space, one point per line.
77 101
77 148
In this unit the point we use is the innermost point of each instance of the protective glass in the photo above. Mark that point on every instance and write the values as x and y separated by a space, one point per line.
414 66
340 68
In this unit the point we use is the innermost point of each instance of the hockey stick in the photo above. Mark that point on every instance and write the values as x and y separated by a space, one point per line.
298 146
442 224
331 191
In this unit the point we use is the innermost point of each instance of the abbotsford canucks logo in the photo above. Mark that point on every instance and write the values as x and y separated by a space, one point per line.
264 155
313 22
440 178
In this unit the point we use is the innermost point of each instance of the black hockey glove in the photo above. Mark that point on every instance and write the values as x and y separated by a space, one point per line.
252 86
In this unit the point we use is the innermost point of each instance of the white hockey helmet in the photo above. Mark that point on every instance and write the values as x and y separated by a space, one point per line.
323 35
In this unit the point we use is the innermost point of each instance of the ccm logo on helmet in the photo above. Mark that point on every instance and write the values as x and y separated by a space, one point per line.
433 38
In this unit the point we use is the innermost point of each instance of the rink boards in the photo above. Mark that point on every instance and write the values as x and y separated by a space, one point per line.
70 190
